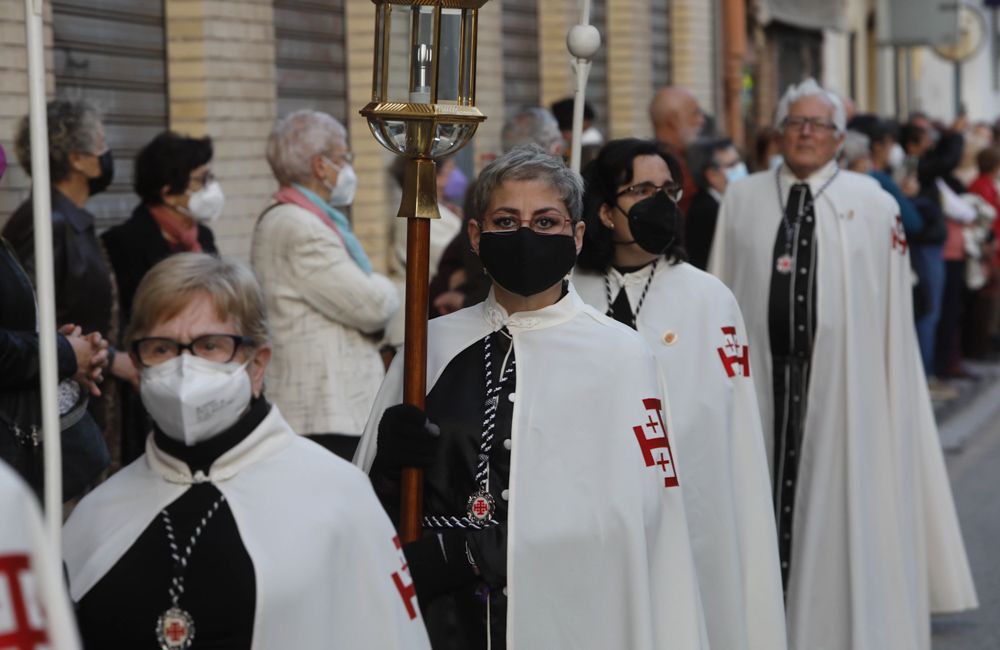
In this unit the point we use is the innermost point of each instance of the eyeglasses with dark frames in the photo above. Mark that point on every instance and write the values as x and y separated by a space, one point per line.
640 191
220 348
799 123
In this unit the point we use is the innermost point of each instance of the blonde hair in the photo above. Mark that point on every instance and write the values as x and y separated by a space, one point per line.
170 286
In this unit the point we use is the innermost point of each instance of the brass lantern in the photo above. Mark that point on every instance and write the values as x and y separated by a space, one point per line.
424 89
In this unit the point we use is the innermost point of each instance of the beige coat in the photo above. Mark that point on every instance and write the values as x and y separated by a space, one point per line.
323 309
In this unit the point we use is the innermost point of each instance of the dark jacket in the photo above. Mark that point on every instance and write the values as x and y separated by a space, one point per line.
82 276
136 246
699 228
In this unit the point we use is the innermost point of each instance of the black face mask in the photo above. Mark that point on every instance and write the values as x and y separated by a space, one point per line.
654 223
100 183
524 262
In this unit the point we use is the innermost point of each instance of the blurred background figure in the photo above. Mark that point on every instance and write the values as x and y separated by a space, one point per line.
714 164
856 154
678 121
328 309
80 166
179 197
767 149
591 138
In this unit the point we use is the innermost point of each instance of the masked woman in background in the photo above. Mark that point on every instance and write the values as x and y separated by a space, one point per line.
632 268
80 166
179 197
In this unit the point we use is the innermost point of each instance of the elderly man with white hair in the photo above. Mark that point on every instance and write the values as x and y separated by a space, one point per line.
868 537
327 307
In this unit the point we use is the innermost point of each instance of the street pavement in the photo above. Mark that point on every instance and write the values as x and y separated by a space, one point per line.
971 438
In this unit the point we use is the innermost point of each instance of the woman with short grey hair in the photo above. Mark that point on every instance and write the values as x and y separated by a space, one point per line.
327 305
80 166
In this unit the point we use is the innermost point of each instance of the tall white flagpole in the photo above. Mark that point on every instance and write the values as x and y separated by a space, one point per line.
44 274
583 41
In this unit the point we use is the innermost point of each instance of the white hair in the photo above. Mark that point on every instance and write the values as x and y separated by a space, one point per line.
299 137
856 146
809 88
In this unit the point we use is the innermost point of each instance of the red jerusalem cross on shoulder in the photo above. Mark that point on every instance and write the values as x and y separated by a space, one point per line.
654 443
899 236
732 353
22 626
406 589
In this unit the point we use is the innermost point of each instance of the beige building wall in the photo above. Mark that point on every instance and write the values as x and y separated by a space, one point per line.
693 58
489 83
554 20
630 68
16 184
221 82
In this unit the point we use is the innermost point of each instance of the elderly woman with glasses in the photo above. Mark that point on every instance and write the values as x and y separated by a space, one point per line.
632 268
231 531
328 307
552 508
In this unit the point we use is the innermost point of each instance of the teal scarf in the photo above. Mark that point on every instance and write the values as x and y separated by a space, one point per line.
343 227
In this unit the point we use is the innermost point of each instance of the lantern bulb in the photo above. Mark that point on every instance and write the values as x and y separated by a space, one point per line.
421 93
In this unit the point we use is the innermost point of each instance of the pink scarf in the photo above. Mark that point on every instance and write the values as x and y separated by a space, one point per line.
178 235
289 194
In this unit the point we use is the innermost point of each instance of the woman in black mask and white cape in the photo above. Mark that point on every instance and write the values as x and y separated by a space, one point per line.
632 268
553 511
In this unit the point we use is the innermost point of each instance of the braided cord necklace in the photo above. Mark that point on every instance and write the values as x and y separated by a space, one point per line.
175 627
481 505
642 296
786 224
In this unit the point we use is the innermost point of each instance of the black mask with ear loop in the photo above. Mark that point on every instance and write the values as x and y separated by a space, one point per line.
654 222
100 183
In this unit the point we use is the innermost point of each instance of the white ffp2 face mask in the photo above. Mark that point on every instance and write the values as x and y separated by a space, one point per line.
206 204
193 399
342 193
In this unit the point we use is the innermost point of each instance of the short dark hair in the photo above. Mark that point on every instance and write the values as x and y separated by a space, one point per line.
988 160
911 134
701 157
563 111
873 126
168 160
602 176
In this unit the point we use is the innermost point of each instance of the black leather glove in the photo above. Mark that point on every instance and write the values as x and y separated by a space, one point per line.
406 438
488 547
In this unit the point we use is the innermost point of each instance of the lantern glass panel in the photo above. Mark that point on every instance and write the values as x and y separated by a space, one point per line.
448 137
450 56
382 19
467 73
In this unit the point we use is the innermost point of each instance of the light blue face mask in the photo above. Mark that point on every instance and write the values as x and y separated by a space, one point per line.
735 173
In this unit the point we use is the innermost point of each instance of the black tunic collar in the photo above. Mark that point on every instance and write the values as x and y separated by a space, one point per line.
201 456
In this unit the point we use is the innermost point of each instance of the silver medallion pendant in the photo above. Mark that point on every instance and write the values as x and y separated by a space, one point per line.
175 629
784 264
480 507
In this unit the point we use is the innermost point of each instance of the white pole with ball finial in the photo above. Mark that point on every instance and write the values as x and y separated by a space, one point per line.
583 41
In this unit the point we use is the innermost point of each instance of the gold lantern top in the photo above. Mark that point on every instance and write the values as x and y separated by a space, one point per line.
424 84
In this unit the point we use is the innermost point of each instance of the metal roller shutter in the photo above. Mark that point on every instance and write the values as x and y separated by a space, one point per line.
310 56
112 53
659 25
522 87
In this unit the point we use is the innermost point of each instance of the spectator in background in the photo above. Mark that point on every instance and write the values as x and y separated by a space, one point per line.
460 280
767 149
714 163
855 154
179 197
880 144
985 304
80 166
677 122
327 307
590 139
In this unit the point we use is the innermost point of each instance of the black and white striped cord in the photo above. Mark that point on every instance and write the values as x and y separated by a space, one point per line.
181 559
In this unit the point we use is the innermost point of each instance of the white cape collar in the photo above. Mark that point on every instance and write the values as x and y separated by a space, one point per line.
270 436
563 310
816 180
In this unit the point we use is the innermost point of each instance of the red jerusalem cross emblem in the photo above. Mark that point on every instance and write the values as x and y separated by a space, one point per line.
654 443
899 236
404 583
22 625
733 354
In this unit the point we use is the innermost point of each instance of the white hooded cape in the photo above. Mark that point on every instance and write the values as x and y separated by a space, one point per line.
322 547
694 326
876 543
34 609
597 547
